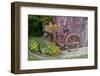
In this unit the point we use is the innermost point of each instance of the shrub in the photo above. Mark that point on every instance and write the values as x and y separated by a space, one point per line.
35 27
36 44
33 44
43 44
40 45
51 49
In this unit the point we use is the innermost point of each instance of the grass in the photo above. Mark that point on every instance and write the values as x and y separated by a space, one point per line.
30 58
77 57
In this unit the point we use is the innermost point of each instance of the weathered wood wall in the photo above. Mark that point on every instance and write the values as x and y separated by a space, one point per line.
76 25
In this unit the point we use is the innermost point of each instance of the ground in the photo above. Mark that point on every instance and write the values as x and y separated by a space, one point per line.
79 54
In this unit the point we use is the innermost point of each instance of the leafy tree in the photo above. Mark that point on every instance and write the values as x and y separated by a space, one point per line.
36 23
35 26
46 19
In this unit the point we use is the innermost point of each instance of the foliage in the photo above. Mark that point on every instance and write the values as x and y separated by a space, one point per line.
51 28
36 44
51 49
33 44
46 19
36 23
43 44
40 45
34 26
